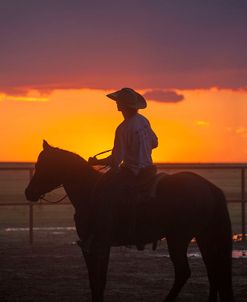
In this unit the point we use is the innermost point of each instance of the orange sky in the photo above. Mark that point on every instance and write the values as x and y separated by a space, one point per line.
207 126
55 54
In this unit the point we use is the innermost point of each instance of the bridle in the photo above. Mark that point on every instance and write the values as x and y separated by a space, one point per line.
42 197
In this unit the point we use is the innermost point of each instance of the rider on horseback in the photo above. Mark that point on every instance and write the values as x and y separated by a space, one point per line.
134 138
130 161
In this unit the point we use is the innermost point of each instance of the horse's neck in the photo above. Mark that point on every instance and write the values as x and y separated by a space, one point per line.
79 185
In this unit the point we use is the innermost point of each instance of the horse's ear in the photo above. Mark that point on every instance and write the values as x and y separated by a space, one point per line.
46 146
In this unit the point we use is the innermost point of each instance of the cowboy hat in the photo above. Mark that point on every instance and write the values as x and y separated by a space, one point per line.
127 97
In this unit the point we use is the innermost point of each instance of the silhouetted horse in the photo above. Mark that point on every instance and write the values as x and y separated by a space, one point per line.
186 206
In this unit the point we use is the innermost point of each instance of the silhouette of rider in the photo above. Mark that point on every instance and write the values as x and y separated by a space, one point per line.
130 159
134 137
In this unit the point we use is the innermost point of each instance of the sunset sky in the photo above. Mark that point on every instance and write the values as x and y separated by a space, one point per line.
59 58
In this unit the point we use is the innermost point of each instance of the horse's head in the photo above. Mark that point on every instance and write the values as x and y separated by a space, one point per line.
48 174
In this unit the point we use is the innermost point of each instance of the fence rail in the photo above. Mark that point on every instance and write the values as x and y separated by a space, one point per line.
171 166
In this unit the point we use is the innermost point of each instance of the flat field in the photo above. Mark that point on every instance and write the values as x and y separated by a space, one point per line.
53 268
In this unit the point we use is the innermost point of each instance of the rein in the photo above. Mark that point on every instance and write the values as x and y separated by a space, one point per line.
103 152
42 197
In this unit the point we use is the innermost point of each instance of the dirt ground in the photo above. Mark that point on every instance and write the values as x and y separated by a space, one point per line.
53 270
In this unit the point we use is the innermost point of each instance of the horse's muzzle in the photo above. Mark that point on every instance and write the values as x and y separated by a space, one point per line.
31 195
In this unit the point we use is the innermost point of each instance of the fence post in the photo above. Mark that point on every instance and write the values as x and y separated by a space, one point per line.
31 224
243 202
30 213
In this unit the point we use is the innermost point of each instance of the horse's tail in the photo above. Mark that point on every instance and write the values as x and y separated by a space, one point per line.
217 248
224 243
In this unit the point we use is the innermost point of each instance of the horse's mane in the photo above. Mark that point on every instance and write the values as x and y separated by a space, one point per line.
73 160
71 155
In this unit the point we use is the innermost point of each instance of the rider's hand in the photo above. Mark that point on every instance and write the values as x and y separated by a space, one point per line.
92 161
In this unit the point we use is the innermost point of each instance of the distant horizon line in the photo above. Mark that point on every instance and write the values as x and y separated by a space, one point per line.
156 163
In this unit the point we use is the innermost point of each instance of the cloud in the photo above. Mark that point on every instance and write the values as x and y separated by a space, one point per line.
202 123
14 91
163 96
22 98
105 44
242 131
26 99
23 95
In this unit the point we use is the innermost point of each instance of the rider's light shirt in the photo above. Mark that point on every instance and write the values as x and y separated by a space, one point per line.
133 144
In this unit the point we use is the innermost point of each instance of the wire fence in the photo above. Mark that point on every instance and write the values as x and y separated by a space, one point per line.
241 167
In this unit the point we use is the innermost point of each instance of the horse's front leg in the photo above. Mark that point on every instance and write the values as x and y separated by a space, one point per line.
177 245
97 265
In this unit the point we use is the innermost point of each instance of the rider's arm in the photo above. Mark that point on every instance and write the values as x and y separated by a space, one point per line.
118 151
119 148
154 140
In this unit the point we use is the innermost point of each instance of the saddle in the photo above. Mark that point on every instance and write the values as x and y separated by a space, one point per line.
146 187
122 212
137 212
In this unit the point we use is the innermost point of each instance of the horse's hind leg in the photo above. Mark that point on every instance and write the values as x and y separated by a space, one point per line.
218 263
215 244
177 245
208 254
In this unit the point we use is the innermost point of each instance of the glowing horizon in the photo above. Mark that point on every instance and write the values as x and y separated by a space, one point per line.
204 127
57 67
